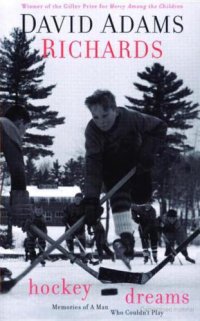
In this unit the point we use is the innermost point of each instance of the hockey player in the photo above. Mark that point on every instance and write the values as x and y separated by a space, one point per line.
174 233
72 213
12 129
145 216
117 139
33 240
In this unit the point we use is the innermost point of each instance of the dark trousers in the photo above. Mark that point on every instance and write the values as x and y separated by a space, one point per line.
149 237
170 247
137 190
81 239
32 243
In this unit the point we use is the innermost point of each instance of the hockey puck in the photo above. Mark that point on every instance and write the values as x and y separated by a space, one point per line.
110 291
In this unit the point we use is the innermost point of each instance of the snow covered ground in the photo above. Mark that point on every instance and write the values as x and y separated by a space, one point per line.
41 294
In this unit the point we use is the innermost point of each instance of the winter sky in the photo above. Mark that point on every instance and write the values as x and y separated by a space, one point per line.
75 79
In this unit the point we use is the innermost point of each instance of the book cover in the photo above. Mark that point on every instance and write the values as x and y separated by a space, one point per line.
147 54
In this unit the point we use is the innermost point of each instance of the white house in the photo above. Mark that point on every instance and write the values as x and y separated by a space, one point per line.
52 199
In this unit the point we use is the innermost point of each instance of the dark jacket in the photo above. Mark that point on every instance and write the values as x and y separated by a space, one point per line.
40 223
10 145
72 214
145 218
118 149
174 231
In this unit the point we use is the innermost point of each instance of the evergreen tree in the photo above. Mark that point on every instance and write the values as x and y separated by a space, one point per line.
184 185
22 70
31 171
74 172
43 174
166 98
43 177
56 172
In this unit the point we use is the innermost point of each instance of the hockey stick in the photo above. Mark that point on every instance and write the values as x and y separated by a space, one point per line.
171 248
6 286
108 195
82 249
69 255
116 276
41 250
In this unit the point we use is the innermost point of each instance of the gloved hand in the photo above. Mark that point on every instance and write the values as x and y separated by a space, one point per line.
21 209
92 210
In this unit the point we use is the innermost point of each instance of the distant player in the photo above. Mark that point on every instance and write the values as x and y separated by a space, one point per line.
117 139
174 232
145 216
34 241
12 129
72 214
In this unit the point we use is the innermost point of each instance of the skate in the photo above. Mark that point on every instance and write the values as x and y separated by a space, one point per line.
5 273
172 259
155 258
189 259
32 256
146 255
43 262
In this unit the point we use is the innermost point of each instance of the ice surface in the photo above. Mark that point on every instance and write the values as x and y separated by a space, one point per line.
19 304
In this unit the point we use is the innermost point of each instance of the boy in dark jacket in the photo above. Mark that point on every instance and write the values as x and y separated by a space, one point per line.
117 139
72 214
12 129
145 216
174 233
33 240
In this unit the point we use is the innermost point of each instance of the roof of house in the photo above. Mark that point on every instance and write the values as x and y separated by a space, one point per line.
59 192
